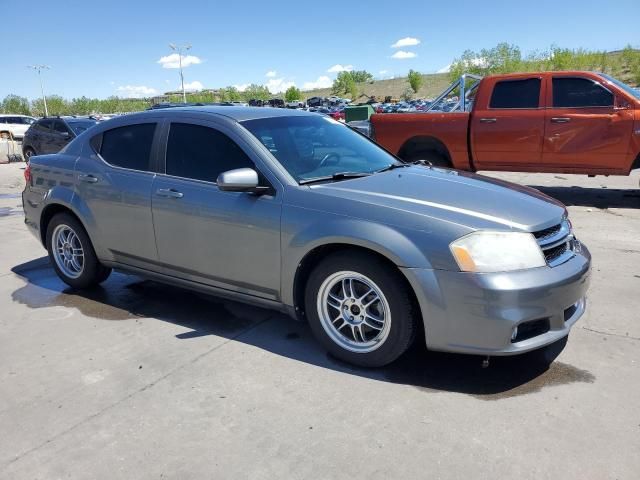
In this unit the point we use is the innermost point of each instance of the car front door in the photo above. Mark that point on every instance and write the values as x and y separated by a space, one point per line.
507 125
585 130
114 181
229 240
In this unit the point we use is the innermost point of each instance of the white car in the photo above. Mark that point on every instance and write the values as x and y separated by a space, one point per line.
16 125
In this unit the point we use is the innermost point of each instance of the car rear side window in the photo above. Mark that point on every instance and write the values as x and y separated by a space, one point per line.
516 94
128 147
45 124
202 153
580 92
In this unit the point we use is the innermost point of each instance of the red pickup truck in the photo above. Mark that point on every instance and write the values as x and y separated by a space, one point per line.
569 122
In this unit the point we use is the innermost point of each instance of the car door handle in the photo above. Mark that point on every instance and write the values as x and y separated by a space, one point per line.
488 120
169 193
560 120
87 178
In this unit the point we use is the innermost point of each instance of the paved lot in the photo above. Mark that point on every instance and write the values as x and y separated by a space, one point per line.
138 380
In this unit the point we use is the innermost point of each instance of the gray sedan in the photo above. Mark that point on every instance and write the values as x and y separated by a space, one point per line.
294 211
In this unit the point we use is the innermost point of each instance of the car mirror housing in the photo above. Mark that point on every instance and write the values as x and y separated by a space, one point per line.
240 180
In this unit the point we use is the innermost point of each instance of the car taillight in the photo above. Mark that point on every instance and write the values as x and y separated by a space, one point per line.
27 174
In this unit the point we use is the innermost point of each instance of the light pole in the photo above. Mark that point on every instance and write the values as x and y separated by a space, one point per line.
180 49
39 68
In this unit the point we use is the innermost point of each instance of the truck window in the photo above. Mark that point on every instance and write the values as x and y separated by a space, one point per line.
580 92
516 94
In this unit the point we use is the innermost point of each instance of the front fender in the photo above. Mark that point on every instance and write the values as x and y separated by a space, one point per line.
327 229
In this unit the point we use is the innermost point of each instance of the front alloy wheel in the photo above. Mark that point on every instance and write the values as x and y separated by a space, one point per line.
359 306
354 312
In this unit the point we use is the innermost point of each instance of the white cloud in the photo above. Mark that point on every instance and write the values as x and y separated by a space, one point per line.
321 82
271 74
402 55
444 69
242 87
337 68
135 91
173 61
406 42
277 85
193 86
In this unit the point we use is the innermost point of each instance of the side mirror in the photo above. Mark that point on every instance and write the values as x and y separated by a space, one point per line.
240 180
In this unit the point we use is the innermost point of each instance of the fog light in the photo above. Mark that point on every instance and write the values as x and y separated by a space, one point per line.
514 334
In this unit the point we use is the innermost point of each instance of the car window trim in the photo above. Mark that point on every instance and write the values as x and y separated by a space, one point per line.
153 140
208 123
553 77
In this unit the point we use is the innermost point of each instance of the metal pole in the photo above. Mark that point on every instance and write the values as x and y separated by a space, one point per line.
184 95
44 98
180 49
39 68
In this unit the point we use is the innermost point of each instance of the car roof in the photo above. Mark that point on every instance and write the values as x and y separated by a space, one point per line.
239 114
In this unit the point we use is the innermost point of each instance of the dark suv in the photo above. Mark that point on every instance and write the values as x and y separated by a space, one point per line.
51 134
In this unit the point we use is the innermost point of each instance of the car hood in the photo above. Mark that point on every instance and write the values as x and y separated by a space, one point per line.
466 199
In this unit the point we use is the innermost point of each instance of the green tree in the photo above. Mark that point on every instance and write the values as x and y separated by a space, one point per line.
292 94
257 92
15 104
233 94
361 76
415 80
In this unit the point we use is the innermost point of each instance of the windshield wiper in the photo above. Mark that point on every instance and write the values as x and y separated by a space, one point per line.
393 166
335 176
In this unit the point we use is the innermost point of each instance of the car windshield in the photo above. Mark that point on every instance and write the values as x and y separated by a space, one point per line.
316 146
80 126
633 92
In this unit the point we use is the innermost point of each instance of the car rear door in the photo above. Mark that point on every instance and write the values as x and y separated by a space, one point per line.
507 123
114 181
229 240
44 137
60 135
585 130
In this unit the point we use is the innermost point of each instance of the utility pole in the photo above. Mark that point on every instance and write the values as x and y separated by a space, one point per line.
39 68
180 49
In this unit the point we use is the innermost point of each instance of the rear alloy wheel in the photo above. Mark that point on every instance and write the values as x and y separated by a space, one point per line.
359 309
72 254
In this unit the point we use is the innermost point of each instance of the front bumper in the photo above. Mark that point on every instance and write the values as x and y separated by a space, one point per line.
477 313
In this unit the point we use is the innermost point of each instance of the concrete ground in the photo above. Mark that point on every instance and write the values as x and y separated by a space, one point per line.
138 380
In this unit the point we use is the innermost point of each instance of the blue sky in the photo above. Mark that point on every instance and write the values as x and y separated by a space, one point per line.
114 47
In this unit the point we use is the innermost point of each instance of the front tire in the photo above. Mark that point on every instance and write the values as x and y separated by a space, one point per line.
434 158
360 309
72 254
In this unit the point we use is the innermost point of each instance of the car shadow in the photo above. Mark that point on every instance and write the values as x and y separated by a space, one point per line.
602 198
126 297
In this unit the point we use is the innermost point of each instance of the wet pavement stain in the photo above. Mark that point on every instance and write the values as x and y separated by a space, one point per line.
125 297
505 377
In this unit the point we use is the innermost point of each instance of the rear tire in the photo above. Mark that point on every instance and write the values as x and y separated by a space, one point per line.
360 309
28 153
71 253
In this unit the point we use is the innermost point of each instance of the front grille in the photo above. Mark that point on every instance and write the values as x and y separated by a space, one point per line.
531 329
547 232
556 243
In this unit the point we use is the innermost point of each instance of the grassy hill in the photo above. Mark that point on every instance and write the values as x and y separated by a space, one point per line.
612 63
432 85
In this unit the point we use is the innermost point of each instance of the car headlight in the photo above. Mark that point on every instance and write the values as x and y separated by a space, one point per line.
497 252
